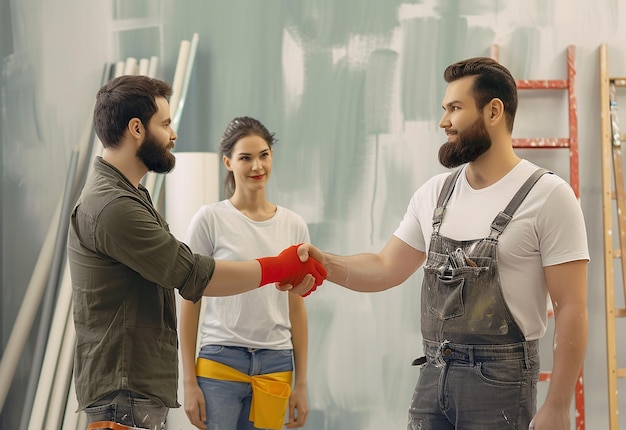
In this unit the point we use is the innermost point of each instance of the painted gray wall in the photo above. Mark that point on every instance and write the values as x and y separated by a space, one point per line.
353 91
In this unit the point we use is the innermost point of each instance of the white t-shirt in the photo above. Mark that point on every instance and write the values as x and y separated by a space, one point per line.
257 318
547 229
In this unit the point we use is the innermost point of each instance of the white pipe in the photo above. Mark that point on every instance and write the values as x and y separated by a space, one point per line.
71 419
144 65
28 310
153 67
63 377
53 352
47 309
176 105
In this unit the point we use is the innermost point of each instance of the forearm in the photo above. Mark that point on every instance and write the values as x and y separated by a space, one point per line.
189 317
361 272
570 343
287 268
233 277
299 339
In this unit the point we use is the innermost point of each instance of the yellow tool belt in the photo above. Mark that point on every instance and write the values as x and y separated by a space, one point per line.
270 392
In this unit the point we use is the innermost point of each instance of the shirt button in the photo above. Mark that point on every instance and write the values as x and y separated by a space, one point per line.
447 351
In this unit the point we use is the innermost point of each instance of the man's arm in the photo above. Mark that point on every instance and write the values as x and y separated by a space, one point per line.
371 272
567 285
291 268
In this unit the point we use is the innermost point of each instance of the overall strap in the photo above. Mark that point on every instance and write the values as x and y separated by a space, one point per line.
444 196
503 218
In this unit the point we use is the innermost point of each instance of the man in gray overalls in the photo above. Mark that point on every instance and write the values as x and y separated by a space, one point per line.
500 237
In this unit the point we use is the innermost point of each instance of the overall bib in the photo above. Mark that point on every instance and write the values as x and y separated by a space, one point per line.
479 371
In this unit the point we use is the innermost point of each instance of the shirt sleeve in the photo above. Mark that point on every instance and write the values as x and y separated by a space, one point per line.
562 238
199 234
128 232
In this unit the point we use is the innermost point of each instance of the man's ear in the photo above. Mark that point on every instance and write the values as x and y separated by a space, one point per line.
495 111
135 127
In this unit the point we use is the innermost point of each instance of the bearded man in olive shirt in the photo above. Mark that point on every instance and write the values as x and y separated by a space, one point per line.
125 265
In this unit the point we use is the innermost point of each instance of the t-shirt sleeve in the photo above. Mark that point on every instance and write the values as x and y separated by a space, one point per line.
199 234
410 229
562 238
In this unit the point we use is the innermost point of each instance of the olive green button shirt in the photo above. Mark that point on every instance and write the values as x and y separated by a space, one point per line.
124 266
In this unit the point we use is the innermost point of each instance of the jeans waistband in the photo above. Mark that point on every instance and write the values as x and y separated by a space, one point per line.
448 351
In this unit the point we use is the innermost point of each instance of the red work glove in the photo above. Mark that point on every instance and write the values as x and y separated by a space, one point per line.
286 268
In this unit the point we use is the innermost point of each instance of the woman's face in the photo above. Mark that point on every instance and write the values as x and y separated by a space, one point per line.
250 162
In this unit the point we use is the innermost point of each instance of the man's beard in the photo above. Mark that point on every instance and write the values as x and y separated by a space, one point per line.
155 156
471 144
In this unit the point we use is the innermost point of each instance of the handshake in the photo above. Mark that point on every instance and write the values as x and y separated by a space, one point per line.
294 270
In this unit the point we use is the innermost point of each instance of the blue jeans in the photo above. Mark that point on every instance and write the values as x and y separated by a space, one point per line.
228 403
487 387
130 409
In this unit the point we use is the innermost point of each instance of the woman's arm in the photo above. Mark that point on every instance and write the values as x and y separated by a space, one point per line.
193 397
298 404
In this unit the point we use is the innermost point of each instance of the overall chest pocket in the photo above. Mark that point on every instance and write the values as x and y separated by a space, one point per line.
447 279
445 297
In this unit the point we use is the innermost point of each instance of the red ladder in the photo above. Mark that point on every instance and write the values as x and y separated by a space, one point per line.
570 143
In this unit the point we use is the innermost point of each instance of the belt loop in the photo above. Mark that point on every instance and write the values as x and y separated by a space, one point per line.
470 355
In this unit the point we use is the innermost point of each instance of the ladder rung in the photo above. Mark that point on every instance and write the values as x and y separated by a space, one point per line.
617 252
555 84
619 82
620 373
538 142
619 312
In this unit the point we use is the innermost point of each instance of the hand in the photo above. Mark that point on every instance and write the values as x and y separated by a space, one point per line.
289 267
304 288
307 250
195 407
298 408
309 283
551 418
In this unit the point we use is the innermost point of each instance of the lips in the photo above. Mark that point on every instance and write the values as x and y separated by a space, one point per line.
451 135
258 177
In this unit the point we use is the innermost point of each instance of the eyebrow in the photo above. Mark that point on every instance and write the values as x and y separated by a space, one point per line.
249 153
453 102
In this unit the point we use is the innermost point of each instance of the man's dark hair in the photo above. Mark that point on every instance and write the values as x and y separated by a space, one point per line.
122 99
493 80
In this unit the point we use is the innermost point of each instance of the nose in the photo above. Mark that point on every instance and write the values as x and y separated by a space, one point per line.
444 122
256 164
173 135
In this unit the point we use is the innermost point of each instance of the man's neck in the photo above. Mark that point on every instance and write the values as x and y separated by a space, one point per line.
490 167
128 164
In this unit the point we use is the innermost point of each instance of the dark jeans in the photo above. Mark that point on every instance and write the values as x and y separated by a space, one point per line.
130 409
465 387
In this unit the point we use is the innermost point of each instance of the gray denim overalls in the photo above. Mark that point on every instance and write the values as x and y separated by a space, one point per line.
466 322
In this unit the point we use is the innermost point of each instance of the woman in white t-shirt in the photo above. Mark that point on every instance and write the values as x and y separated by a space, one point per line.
261 332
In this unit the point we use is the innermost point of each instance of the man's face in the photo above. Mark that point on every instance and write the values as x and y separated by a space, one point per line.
464 125
155 151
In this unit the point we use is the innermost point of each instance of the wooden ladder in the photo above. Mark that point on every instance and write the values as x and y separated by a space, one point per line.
613 202
571 144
